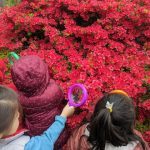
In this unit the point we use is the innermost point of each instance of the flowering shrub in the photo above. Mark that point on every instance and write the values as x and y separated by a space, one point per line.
3 69
144 110
102 44
143 117
147 136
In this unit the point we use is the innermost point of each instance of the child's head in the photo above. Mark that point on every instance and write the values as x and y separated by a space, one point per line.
113 121
30 75
9 112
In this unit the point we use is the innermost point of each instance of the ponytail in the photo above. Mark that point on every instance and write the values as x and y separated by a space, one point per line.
97 135
103 130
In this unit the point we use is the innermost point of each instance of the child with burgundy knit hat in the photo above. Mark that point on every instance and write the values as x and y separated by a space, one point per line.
39 95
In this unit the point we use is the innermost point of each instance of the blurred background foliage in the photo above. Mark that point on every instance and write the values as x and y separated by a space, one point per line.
9 2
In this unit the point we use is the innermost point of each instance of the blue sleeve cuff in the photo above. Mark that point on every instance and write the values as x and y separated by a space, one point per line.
61 119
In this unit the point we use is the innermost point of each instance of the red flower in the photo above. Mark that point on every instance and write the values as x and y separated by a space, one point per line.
2 70
144 110
146 136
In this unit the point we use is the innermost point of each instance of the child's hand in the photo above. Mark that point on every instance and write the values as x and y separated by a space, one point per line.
68 111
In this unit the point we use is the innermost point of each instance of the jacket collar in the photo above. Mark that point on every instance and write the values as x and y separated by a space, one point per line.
8 139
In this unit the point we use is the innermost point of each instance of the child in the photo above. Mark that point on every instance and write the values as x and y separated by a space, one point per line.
13 139
111 126
39 95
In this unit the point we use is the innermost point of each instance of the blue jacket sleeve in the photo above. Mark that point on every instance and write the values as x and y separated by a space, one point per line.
47 140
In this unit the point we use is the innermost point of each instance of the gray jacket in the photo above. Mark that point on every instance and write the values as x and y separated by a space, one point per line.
16 142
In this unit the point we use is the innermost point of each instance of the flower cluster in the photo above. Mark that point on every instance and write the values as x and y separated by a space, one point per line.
144 113
102 44
3 69
144 110
147 136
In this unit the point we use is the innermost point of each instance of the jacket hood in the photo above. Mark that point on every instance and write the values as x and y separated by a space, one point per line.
30 75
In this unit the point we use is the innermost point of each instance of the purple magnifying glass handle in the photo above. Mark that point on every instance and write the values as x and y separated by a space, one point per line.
70 97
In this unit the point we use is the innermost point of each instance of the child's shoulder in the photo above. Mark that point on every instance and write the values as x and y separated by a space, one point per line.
20 141
14 142
78 139
139 147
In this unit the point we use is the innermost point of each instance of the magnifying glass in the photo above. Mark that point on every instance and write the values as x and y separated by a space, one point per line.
77 95
12 56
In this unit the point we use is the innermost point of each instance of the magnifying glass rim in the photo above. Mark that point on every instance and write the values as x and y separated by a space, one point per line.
84 98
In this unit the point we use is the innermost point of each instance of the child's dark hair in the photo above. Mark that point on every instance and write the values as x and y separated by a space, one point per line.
8 107
114 127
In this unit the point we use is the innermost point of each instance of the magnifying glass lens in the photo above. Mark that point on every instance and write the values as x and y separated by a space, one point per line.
77 95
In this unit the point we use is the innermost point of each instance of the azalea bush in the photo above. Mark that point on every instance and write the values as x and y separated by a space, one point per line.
102 44
2 70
